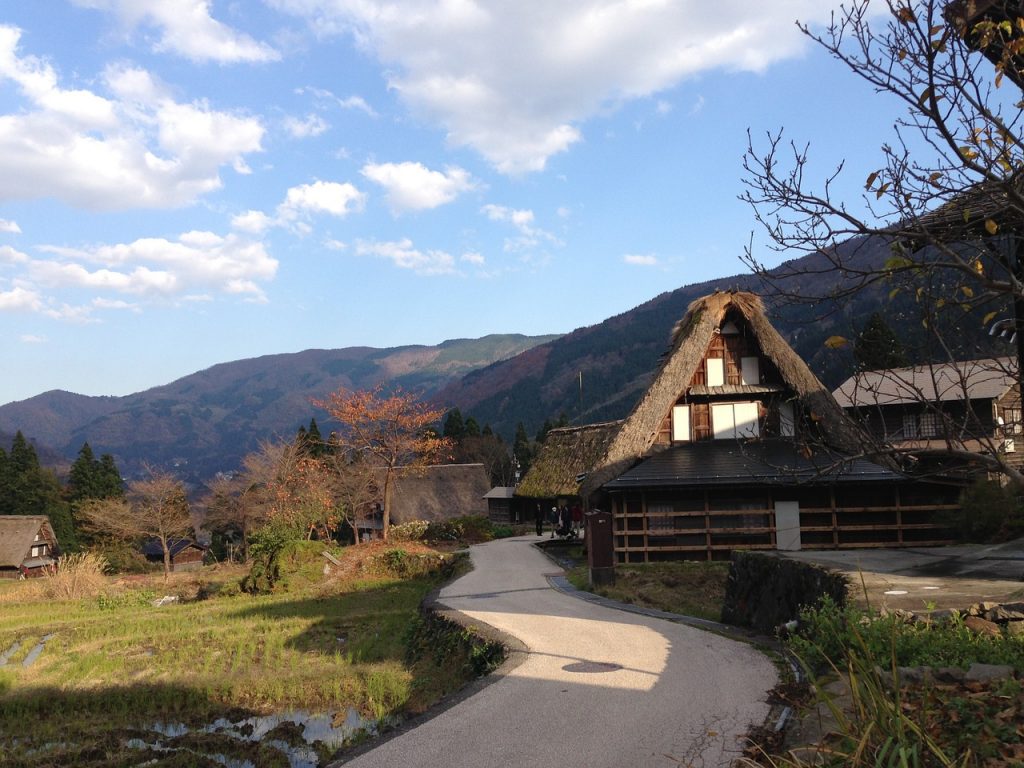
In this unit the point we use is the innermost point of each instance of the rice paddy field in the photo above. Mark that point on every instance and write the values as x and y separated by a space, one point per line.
195 672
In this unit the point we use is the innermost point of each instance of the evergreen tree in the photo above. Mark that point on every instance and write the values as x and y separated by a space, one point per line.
876 347
30 489
521 449
109 483
454 428
315 441
487 431
472 428
83 480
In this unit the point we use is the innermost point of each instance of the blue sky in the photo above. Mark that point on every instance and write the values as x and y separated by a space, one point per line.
187 182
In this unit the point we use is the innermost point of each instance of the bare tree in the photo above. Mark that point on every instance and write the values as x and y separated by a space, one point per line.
356 482
946 195
154 508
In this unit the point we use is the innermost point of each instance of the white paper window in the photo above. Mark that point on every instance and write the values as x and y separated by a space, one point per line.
909 425
734 420
716 371
680 423
750 371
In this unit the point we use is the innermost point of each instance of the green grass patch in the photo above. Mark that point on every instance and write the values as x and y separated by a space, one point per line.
117 665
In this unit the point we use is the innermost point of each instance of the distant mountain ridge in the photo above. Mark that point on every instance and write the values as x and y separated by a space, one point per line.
205 422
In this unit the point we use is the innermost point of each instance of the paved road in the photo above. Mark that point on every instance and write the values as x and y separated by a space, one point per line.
598 687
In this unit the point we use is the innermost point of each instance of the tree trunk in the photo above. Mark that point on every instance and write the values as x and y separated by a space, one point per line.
167 560
388 483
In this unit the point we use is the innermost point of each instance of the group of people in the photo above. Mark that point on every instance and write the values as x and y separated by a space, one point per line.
565 521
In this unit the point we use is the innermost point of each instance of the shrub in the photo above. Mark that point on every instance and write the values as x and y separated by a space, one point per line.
280 561
469 529
989 512
414 530
406 565
123 557
76 576
829 634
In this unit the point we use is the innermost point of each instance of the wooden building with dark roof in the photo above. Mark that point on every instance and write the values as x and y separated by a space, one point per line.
736 444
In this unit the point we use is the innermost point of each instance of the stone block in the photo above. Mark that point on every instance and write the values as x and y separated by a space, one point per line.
986 673
982 626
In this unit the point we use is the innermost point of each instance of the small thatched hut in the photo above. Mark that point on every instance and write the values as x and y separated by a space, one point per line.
440 492
27 545
734 444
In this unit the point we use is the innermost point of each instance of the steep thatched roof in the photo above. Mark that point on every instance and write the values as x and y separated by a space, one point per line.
439 492
566 457
579 460
689 344
17 532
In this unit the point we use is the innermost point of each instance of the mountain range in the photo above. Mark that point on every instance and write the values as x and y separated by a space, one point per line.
205 422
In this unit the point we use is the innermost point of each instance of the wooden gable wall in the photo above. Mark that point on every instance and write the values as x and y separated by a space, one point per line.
730 349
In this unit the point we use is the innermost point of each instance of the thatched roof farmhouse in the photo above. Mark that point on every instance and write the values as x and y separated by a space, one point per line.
27 545
732 423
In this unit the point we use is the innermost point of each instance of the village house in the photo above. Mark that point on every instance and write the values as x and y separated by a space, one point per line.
28 545
735 444
432 493
186 555
971 405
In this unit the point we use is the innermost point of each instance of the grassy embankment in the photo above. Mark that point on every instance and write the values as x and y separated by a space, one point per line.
115 665
688 588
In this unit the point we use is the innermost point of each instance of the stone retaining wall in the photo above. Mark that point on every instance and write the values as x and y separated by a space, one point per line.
764 591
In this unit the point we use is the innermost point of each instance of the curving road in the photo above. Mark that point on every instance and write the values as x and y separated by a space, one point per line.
598 687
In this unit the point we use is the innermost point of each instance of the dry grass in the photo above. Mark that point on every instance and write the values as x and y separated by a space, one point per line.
688 588
76 576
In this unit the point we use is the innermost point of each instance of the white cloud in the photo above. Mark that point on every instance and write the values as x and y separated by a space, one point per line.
330 197
9 255
530 237
101 303
335 245
473 258
302 128
663 107
10 227
158 268
19 298
300 204
187 29
402 254
640 259
516 81
325 97
139 148
698 106
414 187
253 222
31 338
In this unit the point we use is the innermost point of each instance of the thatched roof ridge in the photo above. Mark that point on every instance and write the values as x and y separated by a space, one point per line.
17 532
568 455
689 343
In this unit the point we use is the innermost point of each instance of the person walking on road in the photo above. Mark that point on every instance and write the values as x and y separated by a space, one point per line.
538 518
